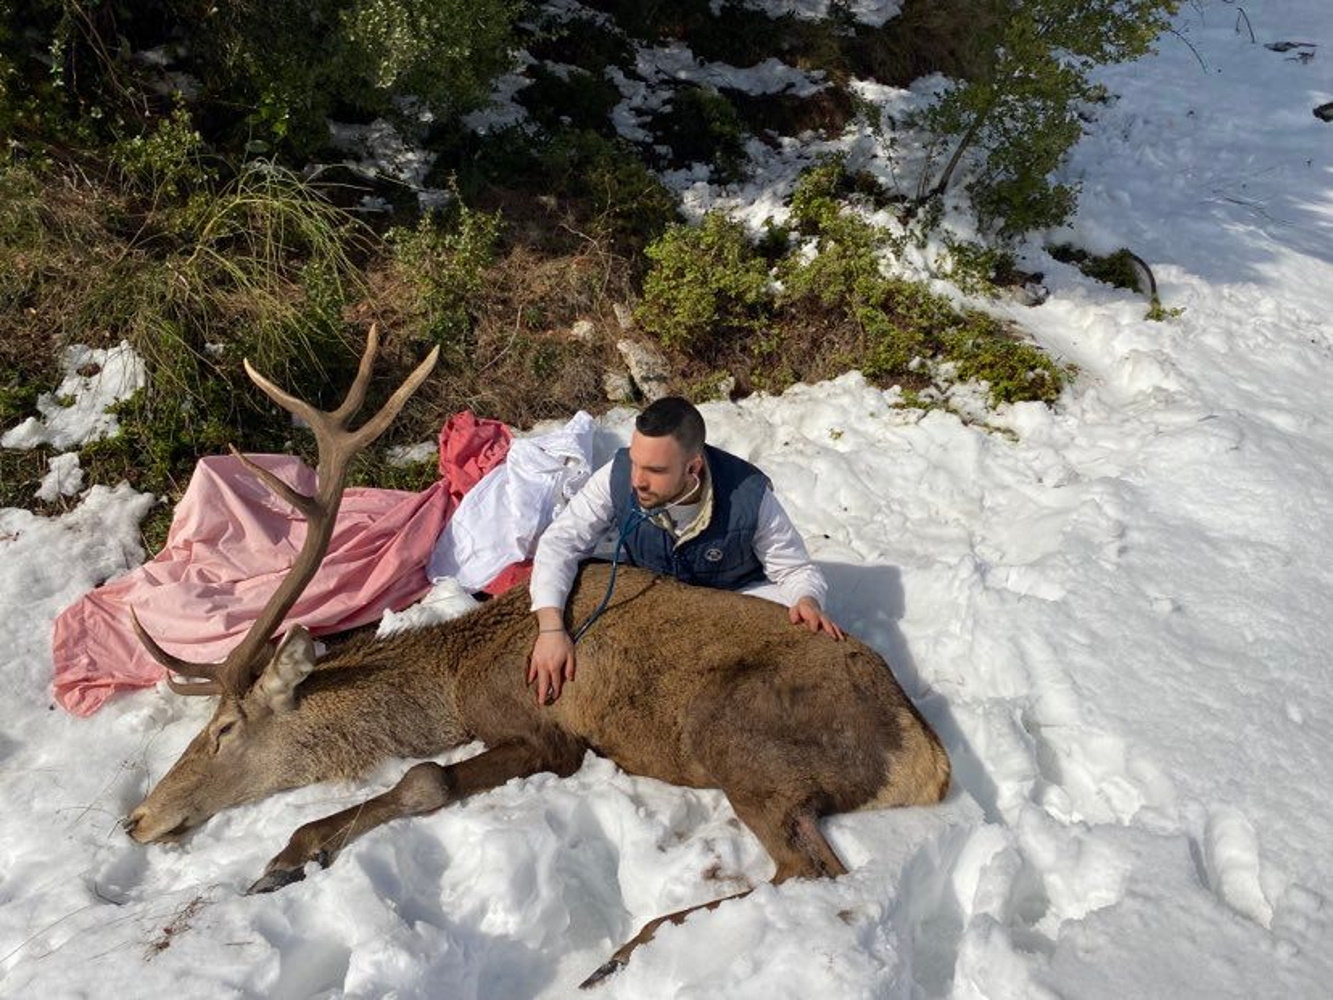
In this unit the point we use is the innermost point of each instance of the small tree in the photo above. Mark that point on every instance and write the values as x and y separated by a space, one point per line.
1020 110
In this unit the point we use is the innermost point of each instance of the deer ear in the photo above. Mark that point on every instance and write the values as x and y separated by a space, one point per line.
290 664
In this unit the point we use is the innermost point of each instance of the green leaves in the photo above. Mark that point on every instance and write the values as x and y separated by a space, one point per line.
707 283
444 259
1017 117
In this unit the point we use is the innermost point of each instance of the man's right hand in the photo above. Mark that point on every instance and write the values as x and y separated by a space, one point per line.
551 664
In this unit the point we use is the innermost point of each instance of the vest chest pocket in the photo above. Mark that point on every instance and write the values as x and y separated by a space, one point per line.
726 562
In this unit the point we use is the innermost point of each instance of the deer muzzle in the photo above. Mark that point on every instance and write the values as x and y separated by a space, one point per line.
146 828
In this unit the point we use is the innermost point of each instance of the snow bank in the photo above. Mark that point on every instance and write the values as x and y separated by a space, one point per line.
76 413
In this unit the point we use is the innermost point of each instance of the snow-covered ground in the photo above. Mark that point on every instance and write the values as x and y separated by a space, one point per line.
1116 613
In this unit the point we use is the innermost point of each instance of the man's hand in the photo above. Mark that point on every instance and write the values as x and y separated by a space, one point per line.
551 663
807 612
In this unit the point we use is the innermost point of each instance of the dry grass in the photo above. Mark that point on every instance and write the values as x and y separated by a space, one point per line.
523 362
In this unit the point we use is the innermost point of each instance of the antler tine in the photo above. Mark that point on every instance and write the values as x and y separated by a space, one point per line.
284 490
356 395
194 687
377 424
352 401
208 671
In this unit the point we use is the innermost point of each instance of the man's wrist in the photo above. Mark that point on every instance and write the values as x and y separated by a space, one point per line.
550 619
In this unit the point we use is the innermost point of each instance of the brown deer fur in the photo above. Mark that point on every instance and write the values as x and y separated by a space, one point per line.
694 687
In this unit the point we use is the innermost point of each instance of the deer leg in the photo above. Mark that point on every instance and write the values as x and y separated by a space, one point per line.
794 841
425 788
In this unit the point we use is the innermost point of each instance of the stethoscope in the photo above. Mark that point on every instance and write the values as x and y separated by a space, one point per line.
634 517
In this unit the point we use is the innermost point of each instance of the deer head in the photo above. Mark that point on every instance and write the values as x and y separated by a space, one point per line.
245 751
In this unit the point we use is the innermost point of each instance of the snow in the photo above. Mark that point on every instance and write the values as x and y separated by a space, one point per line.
76 413
64 477
1115 612
873 13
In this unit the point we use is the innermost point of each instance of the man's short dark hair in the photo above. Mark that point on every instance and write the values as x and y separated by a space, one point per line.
675 416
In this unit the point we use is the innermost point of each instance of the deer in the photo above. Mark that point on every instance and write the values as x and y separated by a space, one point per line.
695 687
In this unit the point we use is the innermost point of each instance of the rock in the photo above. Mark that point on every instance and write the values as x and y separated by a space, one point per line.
647 367
584 331
1324 112
624 316
618 386
1030 293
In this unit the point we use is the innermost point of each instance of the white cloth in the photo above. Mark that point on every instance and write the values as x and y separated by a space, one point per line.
500 519
586 522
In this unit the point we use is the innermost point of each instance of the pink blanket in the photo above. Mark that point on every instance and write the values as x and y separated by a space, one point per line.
229 545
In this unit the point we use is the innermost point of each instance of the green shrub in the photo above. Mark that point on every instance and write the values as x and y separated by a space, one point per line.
166 161
846 266
444 259
976 268
823 191
707 283
901 322
626 201
815 199
576 99
1013 369
1122 269
195 274
1115 268
844 270
294 65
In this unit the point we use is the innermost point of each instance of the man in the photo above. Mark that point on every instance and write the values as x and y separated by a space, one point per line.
684 508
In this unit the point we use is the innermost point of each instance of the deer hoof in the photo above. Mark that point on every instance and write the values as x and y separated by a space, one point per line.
607 969
271 881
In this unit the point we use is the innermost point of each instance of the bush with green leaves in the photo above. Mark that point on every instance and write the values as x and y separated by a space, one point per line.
1121 268
1018 115
710 297
707 284
624 199
167 161
844 268
196 272
293 66
444 259
975 268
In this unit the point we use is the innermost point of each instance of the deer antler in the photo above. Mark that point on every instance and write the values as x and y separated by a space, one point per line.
337 447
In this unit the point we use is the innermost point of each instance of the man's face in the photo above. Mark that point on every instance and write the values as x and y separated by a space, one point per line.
659 469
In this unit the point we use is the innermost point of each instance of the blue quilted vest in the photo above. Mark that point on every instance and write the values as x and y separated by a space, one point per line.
722 555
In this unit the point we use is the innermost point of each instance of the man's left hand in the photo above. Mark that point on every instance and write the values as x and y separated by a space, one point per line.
807 612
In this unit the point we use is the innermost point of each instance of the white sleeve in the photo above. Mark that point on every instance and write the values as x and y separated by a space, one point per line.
571 538
779 547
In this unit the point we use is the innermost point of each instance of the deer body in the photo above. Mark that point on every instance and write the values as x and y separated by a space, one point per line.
835 724
695 687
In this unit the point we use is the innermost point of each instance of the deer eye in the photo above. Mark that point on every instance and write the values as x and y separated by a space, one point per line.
222 732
